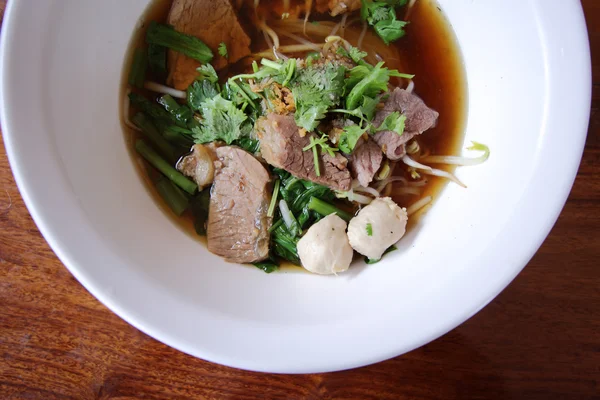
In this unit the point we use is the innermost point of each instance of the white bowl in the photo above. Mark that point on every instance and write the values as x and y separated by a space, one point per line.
528 71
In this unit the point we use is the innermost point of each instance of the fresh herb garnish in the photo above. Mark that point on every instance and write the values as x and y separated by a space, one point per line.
222 49
322 142
369 229
381 15
222 120
393 122
315 90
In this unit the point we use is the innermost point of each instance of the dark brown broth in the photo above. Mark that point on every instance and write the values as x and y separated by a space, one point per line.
429 51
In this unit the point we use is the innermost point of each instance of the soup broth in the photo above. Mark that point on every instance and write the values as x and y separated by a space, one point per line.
428 50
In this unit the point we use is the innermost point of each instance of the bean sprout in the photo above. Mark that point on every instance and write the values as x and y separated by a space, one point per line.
419 204
412 163
462 161
444 174
158 88
362 35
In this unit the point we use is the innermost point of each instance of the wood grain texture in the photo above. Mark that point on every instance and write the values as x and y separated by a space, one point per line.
540 339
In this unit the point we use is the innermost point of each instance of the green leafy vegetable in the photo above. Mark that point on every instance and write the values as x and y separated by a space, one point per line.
274 198
249 144
157 59
268 266
154 136
393 122
324 208
172 195
137 73
157 162
222 49
179 113
315 90
222 121
375 261
191 46
199 207
369 229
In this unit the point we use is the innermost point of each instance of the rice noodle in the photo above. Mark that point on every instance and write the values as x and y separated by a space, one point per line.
444 174
362 36
158 88
412 163
299 39
307 9
292 48
371 43
335 29
419 204
407 190
359 198
409 8
411 86
370 190
343 24
126 112
263 25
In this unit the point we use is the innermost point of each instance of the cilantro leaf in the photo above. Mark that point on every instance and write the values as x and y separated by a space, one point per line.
350 137
390 30
393 122
208 72
365 81
199 91
222 49
381 15
222 121
315 90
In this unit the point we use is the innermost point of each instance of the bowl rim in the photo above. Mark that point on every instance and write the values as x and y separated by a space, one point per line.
583 65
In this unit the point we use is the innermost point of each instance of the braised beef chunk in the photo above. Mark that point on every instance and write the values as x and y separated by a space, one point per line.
365 161
213 22
281 145
419 118
238 226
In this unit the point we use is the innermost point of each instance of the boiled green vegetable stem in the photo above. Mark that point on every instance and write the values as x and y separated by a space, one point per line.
137 73
152 134
159 163
324 208
191 46
172 195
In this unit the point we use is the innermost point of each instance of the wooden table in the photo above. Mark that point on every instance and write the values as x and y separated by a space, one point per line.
540 339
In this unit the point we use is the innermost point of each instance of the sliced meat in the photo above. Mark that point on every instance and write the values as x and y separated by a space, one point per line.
213 22
198 165
281 146
238 226
341 6
419 118
365 161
